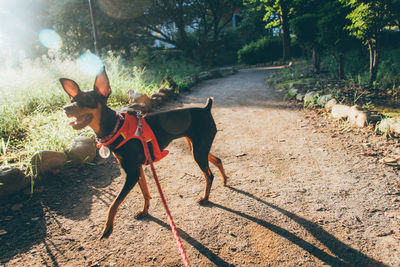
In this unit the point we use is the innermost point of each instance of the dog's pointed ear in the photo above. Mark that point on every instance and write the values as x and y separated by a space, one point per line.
71 87
102 84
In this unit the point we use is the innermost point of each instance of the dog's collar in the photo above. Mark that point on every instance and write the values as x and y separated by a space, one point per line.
120 118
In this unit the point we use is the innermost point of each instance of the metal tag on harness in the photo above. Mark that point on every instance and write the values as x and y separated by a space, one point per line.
104 152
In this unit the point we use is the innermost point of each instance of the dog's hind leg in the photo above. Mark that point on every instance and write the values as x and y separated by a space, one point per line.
214 160
146 195
218 163
201 148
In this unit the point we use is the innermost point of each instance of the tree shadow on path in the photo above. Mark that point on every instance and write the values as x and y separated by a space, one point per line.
344 255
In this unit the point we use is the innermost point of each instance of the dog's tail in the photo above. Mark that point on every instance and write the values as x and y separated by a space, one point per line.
209 103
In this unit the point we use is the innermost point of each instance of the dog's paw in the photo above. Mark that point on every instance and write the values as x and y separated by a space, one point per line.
203 201
225 181
141 215
106 232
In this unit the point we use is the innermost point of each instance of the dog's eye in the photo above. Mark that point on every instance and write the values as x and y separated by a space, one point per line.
90 102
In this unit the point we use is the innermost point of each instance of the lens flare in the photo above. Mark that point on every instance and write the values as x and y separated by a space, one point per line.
49 38
90 64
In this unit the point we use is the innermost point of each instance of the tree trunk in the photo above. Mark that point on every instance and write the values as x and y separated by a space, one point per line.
373 62
341 64
285 31
316 58
180 25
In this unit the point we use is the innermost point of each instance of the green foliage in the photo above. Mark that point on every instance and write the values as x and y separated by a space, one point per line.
252 24
229 43
161 63
369 17
331 27
389 71
356 63
305 28
272 10
263 50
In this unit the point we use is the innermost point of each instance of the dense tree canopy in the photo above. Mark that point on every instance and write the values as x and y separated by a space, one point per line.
211 31
368 20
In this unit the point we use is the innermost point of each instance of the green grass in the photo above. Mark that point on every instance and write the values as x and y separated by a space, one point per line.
31 99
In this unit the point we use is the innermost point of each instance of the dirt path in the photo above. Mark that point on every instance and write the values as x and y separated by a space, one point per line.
300 192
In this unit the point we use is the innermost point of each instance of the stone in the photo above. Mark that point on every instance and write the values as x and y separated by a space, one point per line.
328 106
138 98
13 180
340 111
204 75
46 161
82 149
133 95
215 73
139 106
357 116
155 101
160 95
227 70
390 126
293 91
300 97
167 91
310 98
322 100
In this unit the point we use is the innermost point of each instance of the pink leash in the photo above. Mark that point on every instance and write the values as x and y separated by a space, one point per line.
169 216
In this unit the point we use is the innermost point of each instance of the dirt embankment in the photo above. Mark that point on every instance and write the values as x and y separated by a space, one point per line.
301 192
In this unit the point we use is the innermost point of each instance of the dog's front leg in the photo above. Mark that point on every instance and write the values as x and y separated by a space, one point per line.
132 177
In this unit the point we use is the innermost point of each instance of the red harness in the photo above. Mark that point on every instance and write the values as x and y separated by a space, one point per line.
127 132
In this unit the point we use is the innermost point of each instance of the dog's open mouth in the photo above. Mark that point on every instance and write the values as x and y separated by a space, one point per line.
81 121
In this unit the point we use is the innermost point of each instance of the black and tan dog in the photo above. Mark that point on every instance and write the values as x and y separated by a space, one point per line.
90 108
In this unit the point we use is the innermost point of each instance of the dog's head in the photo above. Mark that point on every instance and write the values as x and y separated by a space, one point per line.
86 106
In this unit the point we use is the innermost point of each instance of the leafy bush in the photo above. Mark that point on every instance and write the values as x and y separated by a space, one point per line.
229 43
263 50
161 63
390 39
389 69
356 67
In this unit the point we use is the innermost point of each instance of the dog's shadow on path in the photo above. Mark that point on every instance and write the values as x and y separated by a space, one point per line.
25 219
343 255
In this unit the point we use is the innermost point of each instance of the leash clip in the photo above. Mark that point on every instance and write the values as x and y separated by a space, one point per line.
139 116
